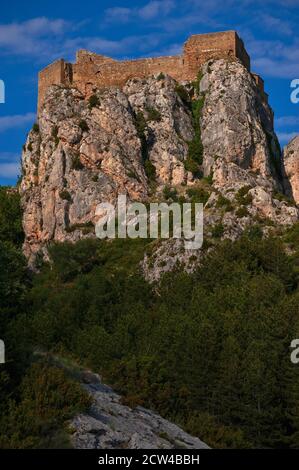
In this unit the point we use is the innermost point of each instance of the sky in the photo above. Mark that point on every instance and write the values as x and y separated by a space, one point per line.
35 33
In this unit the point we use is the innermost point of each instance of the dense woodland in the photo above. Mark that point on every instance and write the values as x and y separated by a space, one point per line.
209 351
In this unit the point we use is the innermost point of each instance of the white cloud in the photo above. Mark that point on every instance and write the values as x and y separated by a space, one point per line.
9 165
274 58
156 8
17 120
278 25
287 121
8 156
9 170
151 10
286 137
119 14
139 44
35 37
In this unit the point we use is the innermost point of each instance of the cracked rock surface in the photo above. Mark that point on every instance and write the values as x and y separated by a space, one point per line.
111 425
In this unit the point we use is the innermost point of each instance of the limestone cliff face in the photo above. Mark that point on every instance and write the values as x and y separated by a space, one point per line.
291 169
85 151
236 124
134 141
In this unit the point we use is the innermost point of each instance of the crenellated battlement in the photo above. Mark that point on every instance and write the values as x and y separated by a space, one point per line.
92 69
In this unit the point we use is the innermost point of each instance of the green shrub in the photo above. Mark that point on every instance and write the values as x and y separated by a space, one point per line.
217 231
153 114
65 195
170 193
198 195
223 202
242 212
132 174
195 150
76 162
183 94
282 198
196 82
193 167
141 126
35 127
11 229
275 153
254 232
292 236
215 433
93 101
47 399
140 123
86 228
54 134
150 170
195 147
209 179
242 196
161 76
83 125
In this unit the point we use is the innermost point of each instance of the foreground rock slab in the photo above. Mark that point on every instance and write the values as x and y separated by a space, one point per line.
112 425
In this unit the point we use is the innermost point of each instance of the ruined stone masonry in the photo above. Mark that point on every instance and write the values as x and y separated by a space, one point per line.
97 70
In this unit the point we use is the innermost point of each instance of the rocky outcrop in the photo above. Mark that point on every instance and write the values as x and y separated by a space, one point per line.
291 169
156 132
169 125
242 158
236 122
109 424
85 151
77 157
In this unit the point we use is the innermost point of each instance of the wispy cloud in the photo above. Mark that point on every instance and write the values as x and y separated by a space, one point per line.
9 165
272 23
16 121
131 46
274 58
149 11
9 170
287 121
285 124
286 137
34 37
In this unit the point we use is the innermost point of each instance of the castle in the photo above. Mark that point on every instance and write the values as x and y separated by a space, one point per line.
91 69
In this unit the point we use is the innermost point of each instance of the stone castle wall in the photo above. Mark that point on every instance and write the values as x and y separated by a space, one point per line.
92 69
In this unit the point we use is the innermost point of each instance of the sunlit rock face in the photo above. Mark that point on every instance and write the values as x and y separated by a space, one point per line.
291 168
134 141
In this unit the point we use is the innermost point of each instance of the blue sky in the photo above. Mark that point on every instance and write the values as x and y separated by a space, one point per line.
34 33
